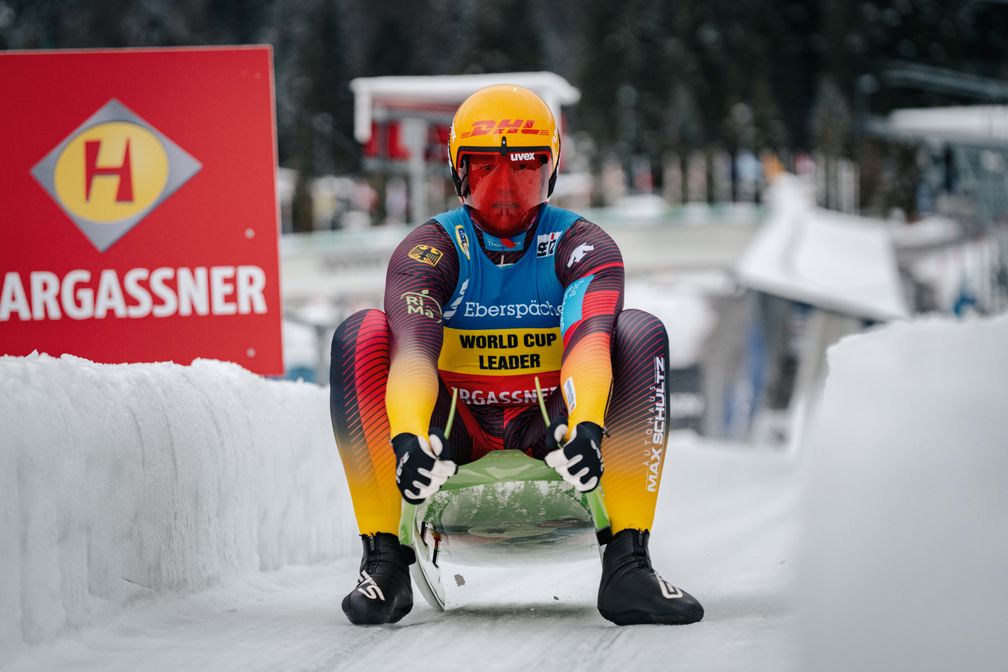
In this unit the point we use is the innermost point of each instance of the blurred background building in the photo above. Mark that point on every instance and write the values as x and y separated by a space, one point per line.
679 119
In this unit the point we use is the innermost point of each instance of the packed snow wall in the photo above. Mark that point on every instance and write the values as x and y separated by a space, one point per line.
119 482
905 539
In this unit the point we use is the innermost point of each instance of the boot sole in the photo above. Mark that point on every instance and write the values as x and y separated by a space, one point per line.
393 617
644 618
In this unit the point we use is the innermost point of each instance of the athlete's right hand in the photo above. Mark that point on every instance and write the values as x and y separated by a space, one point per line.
420 471
578 460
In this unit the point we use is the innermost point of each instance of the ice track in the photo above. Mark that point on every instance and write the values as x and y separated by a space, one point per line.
725 532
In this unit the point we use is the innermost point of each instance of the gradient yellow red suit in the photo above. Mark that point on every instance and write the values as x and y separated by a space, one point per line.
385 376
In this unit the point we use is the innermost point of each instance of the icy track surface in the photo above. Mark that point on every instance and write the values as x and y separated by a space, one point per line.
731 547
195 518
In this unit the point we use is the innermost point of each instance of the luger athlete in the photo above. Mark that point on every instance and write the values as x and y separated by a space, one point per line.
484 298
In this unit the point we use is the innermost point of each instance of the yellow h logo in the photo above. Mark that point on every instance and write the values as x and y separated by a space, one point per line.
112 171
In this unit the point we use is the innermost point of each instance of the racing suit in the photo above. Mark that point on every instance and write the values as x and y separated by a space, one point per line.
467 310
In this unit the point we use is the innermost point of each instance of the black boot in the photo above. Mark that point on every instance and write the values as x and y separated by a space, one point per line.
631 592
384 593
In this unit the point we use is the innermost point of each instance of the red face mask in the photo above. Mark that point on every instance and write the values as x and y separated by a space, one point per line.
505 190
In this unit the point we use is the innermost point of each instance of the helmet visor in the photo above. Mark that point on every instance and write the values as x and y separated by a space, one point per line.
506 188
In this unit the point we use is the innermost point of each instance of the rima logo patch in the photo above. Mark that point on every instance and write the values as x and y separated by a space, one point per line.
113 171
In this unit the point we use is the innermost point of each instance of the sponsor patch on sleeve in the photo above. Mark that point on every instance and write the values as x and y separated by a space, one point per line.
570 396
546 244
463 240
426 254
422 303
573 302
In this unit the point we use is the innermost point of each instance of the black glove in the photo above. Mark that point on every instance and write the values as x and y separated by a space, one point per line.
579 460
420 471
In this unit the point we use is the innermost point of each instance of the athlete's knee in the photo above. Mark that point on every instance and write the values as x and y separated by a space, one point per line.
366 323
354 349
635 326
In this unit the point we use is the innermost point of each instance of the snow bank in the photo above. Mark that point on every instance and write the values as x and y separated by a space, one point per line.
834 261
118 482
905 540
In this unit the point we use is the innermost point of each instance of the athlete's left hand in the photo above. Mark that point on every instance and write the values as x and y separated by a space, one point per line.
579 461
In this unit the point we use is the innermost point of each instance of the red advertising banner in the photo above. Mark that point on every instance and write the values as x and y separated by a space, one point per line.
139 214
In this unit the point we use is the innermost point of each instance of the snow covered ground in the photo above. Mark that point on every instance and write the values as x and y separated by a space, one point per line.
157 517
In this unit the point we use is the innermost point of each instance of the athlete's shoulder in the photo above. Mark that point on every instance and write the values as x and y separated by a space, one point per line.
427 244
585 248
558 219
426 254
450 218
585 227
584 232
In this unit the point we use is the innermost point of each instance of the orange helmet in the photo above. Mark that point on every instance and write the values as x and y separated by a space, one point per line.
503 150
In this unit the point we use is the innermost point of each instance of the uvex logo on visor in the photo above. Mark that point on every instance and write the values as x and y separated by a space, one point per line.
515 159
112 171
525 173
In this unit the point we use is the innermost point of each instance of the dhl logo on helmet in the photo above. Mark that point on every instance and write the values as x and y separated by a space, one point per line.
510 120
502 126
